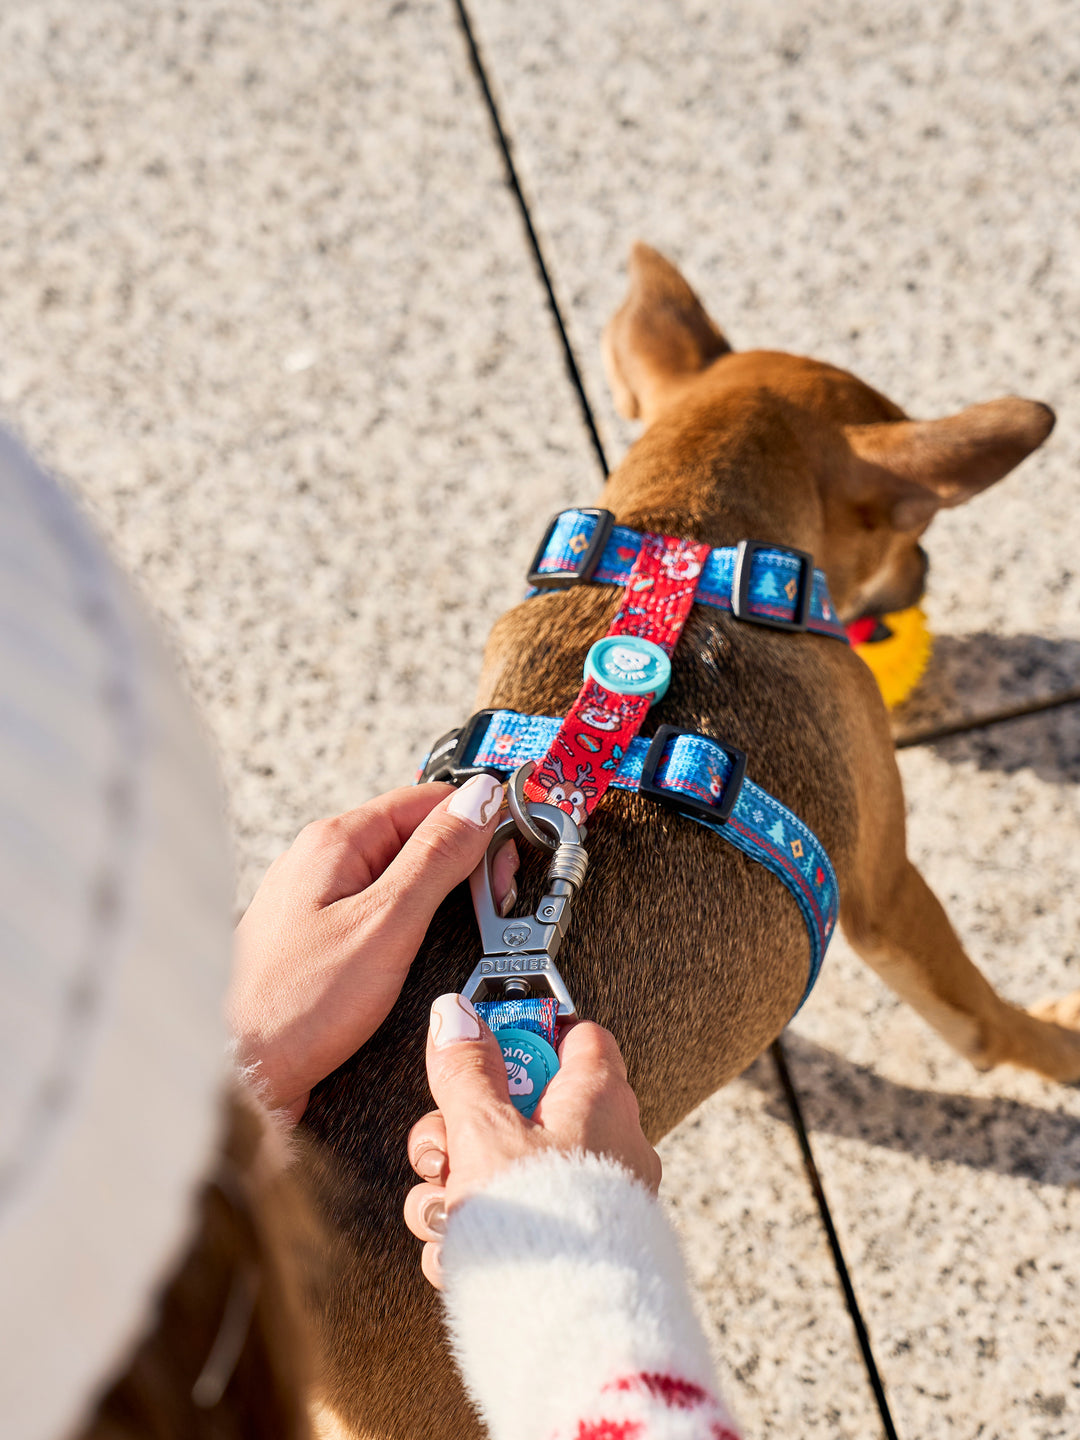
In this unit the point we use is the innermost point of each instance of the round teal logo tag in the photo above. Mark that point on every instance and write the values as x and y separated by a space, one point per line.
629 666
530 1063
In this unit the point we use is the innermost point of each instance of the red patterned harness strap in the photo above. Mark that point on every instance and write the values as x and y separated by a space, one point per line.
584 757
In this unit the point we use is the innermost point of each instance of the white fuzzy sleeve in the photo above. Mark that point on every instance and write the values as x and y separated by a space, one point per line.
569 1309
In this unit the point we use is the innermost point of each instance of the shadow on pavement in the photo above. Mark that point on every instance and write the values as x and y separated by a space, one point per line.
853 1102
976 680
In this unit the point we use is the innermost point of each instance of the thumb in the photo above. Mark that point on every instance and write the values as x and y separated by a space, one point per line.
466 1071
440 853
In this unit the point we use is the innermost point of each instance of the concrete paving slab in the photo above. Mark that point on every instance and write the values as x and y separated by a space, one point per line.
784 1343
957 1195
266 302
890 187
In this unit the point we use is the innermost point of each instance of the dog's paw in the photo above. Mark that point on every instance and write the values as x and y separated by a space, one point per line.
1064 1011
1062 1051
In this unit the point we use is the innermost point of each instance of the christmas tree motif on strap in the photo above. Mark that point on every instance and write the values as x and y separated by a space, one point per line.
778 834
767 588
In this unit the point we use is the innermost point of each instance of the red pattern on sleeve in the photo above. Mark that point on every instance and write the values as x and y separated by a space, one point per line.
676 1393
610 1430
655 1392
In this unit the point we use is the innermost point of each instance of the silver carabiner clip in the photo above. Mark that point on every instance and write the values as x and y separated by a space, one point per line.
519 951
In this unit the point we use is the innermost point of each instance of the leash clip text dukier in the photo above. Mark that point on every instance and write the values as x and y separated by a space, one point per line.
518 958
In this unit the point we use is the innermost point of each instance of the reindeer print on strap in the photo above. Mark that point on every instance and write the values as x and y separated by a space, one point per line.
585 755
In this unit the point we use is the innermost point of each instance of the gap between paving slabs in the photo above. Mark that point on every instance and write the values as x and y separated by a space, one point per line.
958 1191
783 1072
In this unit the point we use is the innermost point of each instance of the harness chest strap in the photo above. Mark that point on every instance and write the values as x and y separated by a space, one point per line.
694 774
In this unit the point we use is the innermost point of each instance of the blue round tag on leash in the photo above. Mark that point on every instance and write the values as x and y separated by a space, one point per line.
530 1063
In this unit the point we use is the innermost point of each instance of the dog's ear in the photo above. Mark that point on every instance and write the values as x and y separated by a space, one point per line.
929 464
660 333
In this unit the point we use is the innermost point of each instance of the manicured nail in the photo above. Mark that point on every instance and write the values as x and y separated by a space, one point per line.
433 1215
509 899
478 801
453 1019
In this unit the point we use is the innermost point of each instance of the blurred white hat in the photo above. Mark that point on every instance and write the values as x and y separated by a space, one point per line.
115 887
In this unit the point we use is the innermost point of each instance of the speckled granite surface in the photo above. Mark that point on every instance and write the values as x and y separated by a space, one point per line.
886 186
784 1344
958 1195
267 304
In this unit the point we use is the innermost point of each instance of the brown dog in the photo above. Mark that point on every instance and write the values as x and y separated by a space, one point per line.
673 923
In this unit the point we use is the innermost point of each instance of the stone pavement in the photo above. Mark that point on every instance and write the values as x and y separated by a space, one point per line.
268 303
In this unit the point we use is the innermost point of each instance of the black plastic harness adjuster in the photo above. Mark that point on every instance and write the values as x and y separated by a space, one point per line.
453 754
587 561
718 812
740 590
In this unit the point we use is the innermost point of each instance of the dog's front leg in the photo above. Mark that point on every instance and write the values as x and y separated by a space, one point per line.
898 926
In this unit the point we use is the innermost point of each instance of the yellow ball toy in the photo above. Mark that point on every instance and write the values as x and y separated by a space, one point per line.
897 649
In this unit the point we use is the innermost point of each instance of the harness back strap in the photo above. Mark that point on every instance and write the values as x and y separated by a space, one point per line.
583 757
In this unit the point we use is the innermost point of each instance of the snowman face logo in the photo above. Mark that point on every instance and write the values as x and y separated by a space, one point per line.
629 663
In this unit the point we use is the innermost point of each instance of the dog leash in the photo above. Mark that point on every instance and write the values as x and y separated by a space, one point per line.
562 768
518 955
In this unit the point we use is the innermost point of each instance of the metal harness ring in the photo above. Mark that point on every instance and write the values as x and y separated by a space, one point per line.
515 799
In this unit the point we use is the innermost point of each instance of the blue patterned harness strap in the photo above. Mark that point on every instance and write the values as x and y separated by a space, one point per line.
761 583
694 774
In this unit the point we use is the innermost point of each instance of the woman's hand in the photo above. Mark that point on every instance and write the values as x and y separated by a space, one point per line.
476 1131
325 945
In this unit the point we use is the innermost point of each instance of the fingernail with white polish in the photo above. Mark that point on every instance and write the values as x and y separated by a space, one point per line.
478 801
453 1019
433 1215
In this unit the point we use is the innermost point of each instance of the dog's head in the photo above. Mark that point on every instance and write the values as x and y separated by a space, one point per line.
830 465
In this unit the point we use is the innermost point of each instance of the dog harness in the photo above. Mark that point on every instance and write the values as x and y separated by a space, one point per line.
770 585
562 767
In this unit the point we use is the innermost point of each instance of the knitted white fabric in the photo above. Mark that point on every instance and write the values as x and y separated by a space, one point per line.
569 1308
114 952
